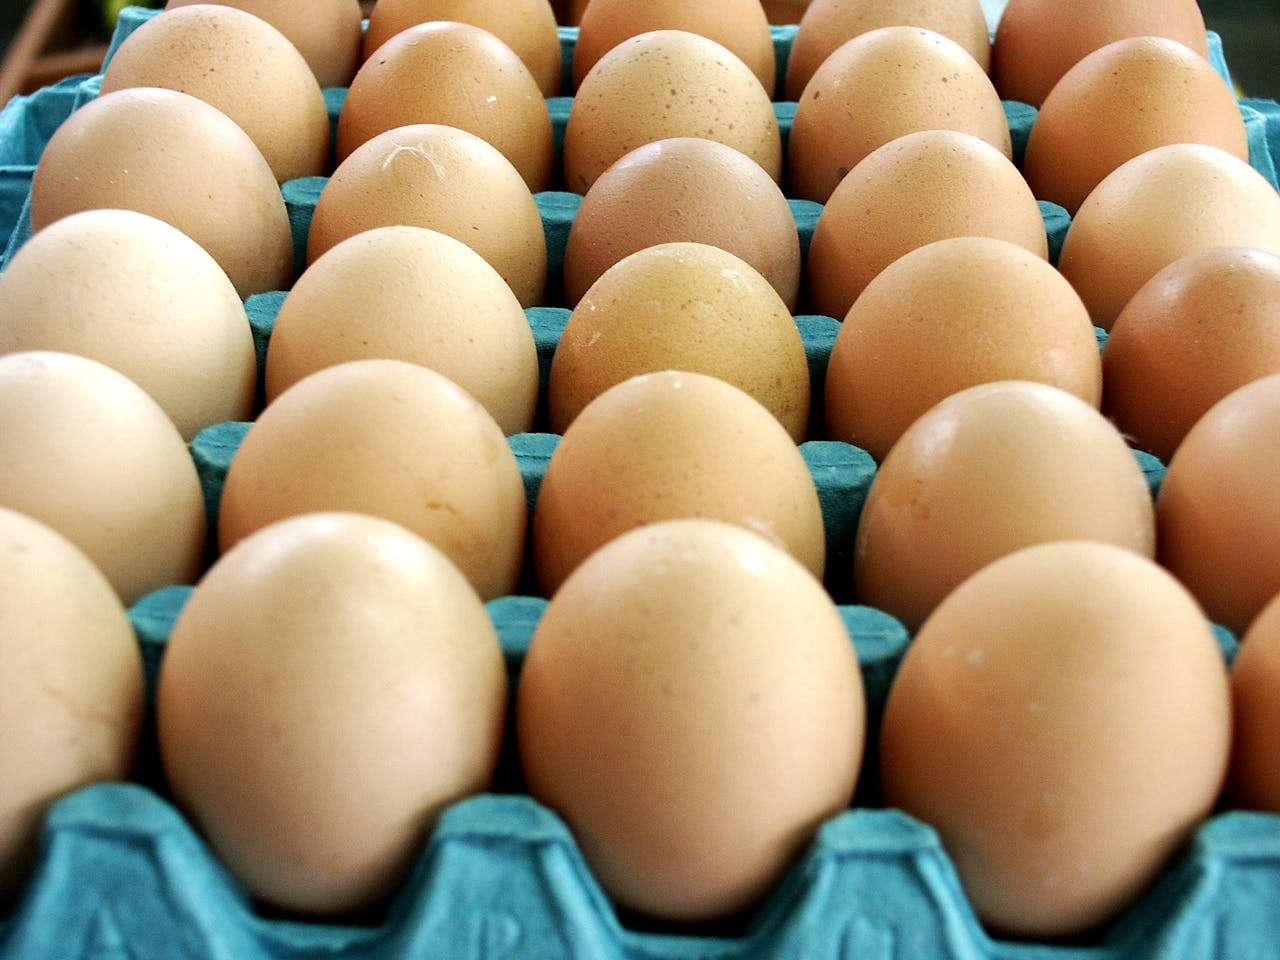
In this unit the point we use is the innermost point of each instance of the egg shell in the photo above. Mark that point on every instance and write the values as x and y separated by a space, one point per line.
445 180
663 84
1255 763
879 87
139 149
784 11
1063 721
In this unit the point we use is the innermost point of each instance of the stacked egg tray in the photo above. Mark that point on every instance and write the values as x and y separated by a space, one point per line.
123 875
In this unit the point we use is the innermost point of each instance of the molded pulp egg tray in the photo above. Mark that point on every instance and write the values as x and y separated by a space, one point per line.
123 876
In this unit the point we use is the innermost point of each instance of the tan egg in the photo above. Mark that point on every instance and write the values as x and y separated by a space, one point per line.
683 306
953 315
404 293
1121 101
684 190
135 294
445 180
725 668
1157 209
1200 329
228 58
72 705
882 86
1255 762
669 446
392 440
528 27
912 191
830 24
1038 41
333 684
573 11
988 472
664 84
785 11
1063 722
1218 511
326 32
457 76
740 26
87 452
139 150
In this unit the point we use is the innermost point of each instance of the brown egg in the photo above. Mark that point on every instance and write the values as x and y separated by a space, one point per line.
740 26
1056 701
457 76
404 293
830 24
393 440
528 27
912 191
949 316
1157 209
1203 327
784 11
87 452
325 32
228 58
669 446
137 295
1040 40
683 306
726 671
879 87
1121 101
985 473
665 84
140 150
333 684
684 190
72 704
445 180
1255 764
1218 511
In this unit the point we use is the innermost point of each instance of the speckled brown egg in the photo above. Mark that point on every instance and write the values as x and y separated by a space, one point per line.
949 316
1255 757
1158 208
446 180
909 193
881 86
665 84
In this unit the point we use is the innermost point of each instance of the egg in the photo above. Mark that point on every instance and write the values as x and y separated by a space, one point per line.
392 440
828 25
1255 763
86 451
137 295
445 180
72 705
1200 329
985 473
404 293
326 33
331 686
1038 41
670 446
684 190
227 58
1063 722
784 11
528 27
691 704
458 76
740 26
879 87
915 190
1219 516
952 315
1158 208
138 150
682 306
668 83
1121 101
